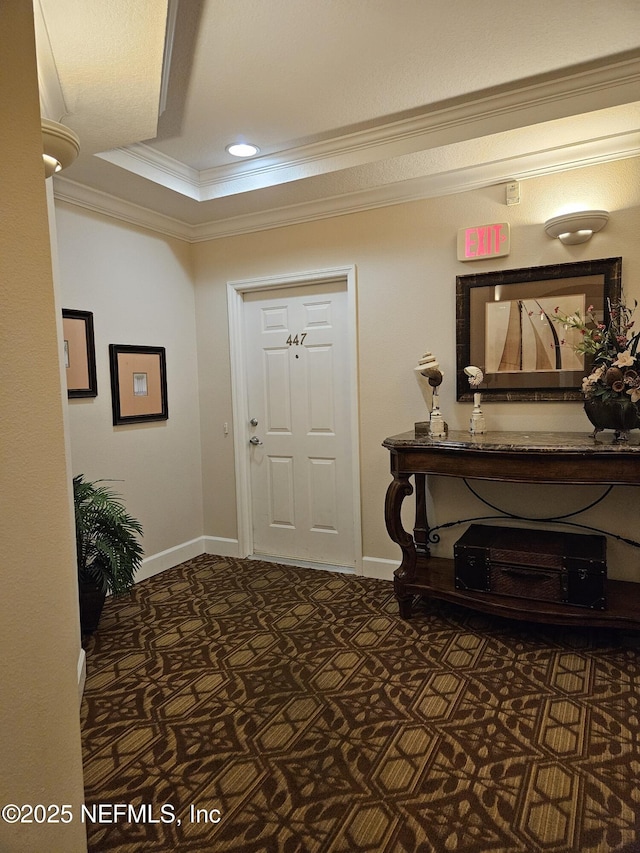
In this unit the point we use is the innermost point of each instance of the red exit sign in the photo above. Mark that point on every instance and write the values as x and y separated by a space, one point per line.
483 241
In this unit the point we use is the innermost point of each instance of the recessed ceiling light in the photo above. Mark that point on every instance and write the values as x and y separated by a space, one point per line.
242 149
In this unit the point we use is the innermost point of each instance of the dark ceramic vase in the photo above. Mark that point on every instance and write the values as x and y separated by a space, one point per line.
91 602
618 415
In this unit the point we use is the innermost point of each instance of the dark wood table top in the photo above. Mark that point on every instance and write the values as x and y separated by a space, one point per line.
560 457
544 442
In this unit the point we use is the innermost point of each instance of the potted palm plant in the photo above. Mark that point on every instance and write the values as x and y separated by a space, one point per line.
108 552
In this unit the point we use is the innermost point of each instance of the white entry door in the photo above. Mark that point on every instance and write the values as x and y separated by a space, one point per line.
299 396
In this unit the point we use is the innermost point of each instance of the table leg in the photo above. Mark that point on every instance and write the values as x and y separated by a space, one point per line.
404 598
398 490
421 526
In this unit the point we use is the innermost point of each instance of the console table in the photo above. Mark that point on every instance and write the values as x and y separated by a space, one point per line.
535 457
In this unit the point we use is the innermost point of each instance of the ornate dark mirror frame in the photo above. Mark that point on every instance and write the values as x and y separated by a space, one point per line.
599 280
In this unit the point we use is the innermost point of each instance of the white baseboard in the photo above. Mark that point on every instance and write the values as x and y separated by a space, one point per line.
164 560
220 547
372 567
82 673
376 567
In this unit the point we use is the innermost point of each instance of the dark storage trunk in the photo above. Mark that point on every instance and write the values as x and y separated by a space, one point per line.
542 565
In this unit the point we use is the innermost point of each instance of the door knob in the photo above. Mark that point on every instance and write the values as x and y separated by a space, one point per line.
254 440
254 422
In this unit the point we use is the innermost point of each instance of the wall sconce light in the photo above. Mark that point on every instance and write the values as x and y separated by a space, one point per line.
572 228
60 146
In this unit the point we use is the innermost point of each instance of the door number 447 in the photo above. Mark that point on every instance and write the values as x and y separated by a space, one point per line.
297 341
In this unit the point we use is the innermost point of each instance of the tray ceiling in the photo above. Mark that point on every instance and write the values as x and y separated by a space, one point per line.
354 103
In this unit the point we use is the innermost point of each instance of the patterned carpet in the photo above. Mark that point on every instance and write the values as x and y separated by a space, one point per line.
245 706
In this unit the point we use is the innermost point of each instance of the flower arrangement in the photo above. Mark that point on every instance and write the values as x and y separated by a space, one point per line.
615 373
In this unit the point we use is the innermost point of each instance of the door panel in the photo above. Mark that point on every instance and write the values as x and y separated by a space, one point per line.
298 390
320 390
280 487
277 384
323 498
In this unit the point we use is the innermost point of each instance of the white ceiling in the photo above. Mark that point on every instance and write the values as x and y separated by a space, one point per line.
354 103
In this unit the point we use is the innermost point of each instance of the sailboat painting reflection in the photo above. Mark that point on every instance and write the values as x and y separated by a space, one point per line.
521 337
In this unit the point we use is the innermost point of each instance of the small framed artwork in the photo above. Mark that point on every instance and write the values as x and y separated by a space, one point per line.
138 384
79 353
505 327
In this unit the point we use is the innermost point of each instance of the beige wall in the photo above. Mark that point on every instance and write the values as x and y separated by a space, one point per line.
39 723
406 270
139 287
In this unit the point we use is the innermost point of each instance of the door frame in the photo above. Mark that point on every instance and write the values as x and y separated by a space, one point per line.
239 398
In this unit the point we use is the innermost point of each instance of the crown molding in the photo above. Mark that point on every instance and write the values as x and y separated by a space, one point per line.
151 164
582 91
97 201
530 165
429 186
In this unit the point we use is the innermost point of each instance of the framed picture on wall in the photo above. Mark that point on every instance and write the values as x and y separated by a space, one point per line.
504 326
138 384
79 353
